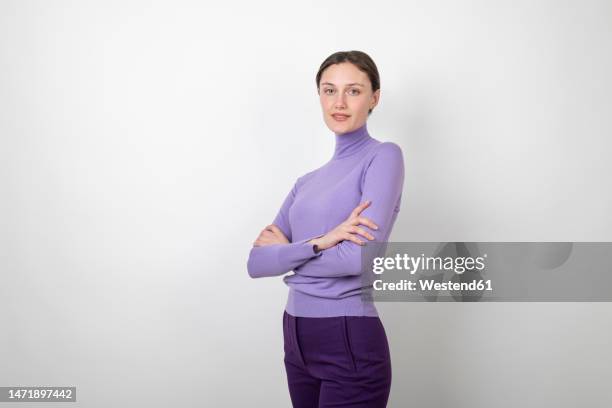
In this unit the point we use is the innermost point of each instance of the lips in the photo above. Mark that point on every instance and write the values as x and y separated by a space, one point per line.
340 117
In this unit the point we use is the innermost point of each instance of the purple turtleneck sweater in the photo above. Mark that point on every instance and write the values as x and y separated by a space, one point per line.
328 283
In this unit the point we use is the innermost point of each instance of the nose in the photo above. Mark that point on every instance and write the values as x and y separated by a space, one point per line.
340 102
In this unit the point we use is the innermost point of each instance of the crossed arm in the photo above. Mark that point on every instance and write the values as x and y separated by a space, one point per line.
338 252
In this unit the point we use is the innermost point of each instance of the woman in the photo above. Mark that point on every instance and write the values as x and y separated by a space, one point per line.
336 350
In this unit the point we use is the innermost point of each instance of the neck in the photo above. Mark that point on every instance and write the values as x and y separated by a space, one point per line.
351 142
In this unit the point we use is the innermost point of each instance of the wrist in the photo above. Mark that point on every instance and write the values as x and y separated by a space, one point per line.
316 245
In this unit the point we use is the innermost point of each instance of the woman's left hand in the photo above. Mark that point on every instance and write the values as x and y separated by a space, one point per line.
271 235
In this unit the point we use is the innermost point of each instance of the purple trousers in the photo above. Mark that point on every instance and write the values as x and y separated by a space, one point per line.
339 361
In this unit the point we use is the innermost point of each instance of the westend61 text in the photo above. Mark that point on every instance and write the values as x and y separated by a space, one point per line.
429 284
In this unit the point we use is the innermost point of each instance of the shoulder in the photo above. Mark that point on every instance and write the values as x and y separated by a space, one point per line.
385 161
386 153
388 150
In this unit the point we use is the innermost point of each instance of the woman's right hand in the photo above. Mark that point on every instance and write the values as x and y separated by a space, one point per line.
348 230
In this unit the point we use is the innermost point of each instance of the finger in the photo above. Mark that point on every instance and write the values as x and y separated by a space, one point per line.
269 241
360 208
357 210
362 232
356 240
362 221
276 230
367 222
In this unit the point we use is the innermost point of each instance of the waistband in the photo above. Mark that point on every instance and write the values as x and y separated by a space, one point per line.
300 304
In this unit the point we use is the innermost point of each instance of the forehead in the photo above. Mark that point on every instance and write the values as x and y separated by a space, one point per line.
344 73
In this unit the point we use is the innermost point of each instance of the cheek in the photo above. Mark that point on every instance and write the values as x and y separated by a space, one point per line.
324 101
360 106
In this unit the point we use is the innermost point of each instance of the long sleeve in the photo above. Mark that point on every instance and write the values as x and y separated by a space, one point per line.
277 259
382 185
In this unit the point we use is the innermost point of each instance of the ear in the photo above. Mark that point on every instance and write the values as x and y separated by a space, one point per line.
375 98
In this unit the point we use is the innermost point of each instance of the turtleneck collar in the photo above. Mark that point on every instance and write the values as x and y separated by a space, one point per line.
351 142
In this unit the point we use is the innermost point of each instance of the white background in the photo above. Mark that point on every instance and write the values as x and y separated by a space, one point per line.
143 145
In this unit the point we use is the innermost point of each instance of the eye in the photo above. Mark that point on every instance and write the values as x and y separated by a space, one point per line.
354 91
325 91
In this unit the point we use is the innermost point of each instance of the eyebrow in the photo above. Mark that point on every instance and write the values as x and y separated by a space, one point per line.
351 84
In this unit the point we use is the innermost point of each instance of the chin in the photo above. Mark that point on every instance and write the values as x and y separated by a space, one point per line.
338 127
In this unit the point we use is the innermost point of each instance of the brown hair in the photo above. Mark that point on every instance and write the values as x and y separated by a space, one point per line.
358 58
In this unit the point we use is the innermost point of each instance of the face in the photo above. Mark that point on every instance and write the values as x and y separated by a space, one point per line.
346 96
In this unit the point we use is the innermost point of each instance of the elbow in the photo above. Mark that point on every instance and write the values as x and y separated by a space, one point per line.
253 271
252 267
261 263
